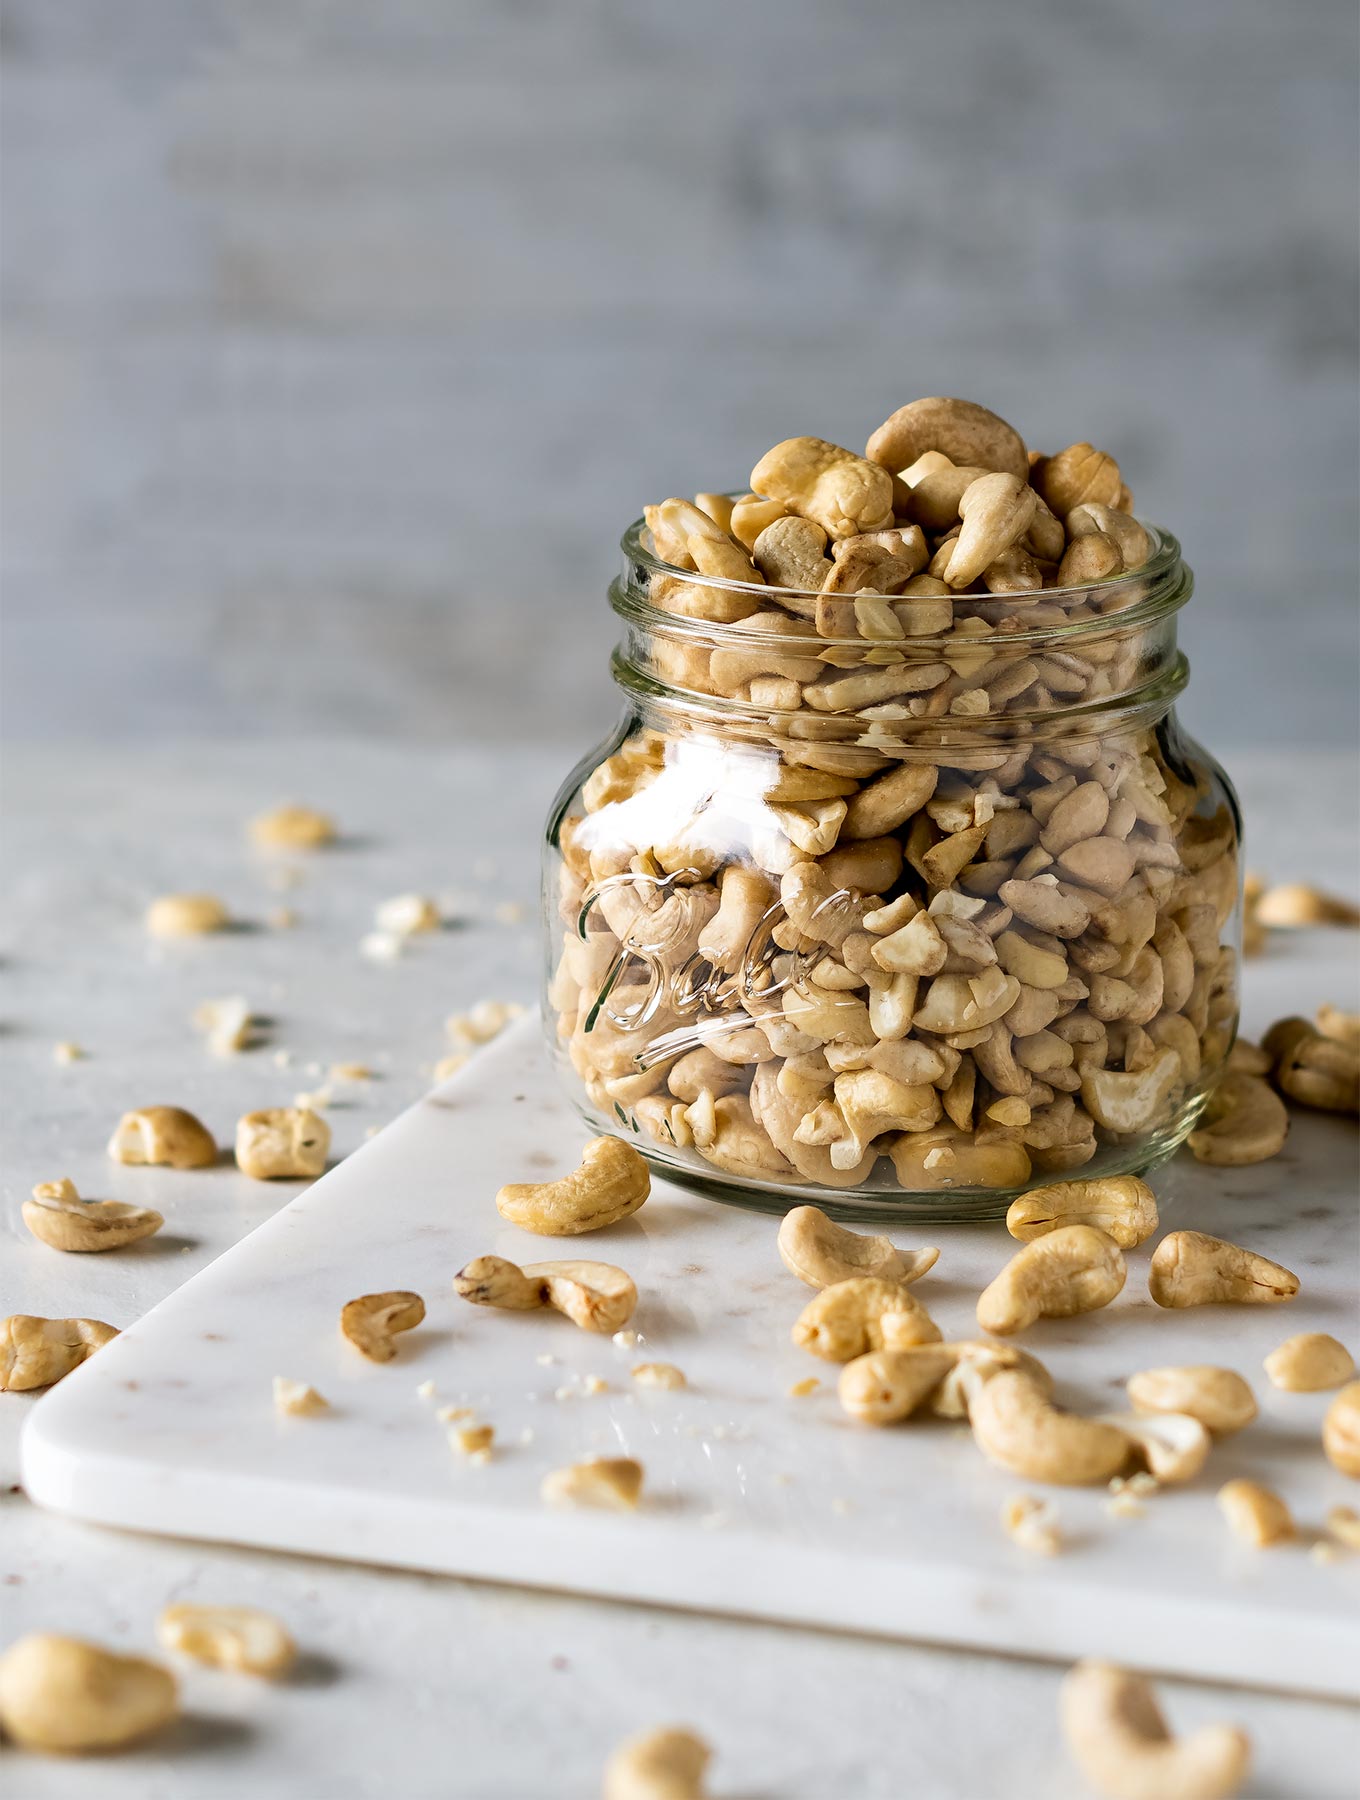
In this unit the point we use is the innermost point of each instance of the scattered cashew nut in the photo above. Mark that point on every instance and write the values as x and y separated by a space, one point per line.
227 1637
845 1319
282 1143
1309 1363
613 1483
36 1352
63 1694
162 1134
1341 1431
820 1252
185 915
1256 1514
1121 1206
59 1217
1219 1398
594 1295
611 1183
1247 1123
1172 1447
1074 1269
1017 1426
1119 1740
372 1321
665 1764
1190 1268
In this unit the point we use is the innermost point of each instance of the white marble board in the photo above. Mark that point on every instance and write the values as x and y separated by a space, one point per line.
756 1503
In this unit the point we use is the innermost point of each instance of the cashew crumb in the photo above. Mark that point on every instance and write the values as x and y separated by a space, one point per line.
426 1390
449 1415
380 946
595 1384
405 915
1032 1524
1344 1524
473 1440
1255 1514
801 1389
449 1065
1323 1552
291 827
68 1053
659 1375
226 1022
547 1360
296 1398
317 1101
1144 1483
349 1071
614 1483
185 915
1125 1505
565 1392
627 1339
508 912
283 1059
281 918
482 1022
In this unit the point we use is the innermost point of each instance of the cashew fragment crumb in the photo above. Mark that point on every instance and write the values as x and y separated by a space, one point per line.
595 1384
1255 1514
1309 1363
1124 1505
473 1440
612 1182
227 1637
282 1143
453 1415
185 915
381 946
166 1135
665 1764
482 1022
297 1399
1344 1524
407 915
658 1375
611 1482
426 1390
313 1100
1117 1736
349 1071
67 1052
1032 1524
35 1352
226 1022
801 1389
66 1695
281 918
60 1218
450 1065
292 828
625 1340
371 1322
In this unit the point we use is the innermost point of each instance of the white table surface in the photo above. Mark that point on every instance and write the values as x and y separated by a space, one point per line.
430 1686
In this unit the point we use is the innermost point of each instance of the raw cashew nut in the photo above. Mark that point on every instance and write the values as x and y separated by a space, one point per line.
1309 1363
1119 1740
227 1637
821 1253
1314 1069
287 1143
292 828
1121 1206
1016 1426
58 1216
36 1352
1172 1447
1341 1431
1074 1269
611 1482
63 1694
612 1182
162 1134
841 492
1295 903
1256 1514
1219 1398
845 1320
594 1295
372 1321
185 915
1131 1101
1077 476
887 1385
996 511
959 429
665 1764
1247 1123
1190 1268
976 1363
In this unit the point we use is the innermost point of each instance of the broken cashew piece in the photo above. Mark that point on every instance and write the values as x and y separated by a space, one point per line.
613 1483
1309 1363
1247 1123
1256 1514
1294 903
846 1319
1121 1206
227 1637
372 1321
1172 1447
611 1183
820 1252
1017 1426
594 1295
658 1375
60 1218
282 1143
1032 1524
1190 1268
1119 1740
1219 1398
1074 1269
36 1352
297 1399
1341 1431
66 1695
665 1764
164 1135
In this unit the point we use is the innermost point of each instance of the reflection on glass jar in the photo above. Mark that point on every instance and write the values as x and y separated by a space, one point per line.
894 904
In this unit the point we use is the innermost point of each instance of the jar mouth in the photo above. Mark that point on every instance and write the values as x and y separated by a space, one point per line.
1159 588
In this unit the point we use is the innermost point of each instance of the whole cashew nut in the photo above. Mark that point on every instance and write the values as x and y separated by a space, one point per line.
845 1320
1219 1398
1016 1426
611 1183
1247 1123
1256 1514
63 1694
884 1386
36 1352
1309 1363
162 1134
841 492
820 1252
665 1764
1121 1206
594 1295
1341 1431
1074 1269
1189 1268
1118 1738
961 430
372 1321
58 1216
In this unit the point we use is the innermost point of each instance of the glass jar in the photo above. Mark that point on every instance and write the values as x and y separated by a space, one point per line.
899 906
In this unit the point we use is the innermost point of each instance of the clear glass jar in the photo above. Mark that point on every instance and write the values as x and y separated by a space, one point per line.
895 905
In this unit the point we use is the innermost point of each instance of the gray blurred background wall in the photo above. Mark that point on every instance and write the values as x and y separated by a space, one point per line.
343 337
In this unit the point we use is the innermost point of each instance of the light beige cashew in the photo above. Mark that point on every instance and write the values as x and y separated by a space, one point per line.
718 507
1124 530
1310 1362
162 1134
996 511
1119 1740
780 1115
841 492
820 1252
791 553
612 1483
885 1386
593 1295
950 1157
60 1218
1080 814
296 1399
870 866
1256 1514
1016 1426
881 561
1132 1102
1314 1070
292 828
750 516
1044 904
665 1764
700 1071
936 491
1342 1027
916 948
1032 1524
845 1319
611 1184
738 1145
227 1637
959 429
1341 1431
185 915
1029 962
1103 863
886 804
372 1321
1296 904
1247 1123
871 1103
976 1363
1077 476
63 1695
1190 1268
1121 1206
35 1352
658 1375
1074 1269
966 1003
287 1143
1219 1398
1172 1447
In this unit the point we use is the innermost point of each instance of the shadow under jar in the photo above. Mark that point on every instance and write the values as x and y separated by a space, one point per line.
897 905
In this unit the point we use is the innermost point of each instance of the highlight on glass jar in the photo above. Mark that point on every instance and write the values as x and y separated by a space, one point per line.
898 887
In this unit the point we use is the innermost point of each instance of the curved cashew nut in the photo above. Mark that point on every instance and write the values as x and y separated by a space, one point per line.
820 1252
843 493
1190 1268
1131 1101
666 1764
162 1134
63 1694
961 430
1171 1446
887 1385
58 1216
1247 1123
845 1320
227 1637
1256 1514
1309 1363
612 1182
946 1157
1341 1431
1016 1426
372 1321
36 1352
611 1482
1219 1398
1121 1206
1074 1269
1314 1069
594 1295
977 1362
1119 1740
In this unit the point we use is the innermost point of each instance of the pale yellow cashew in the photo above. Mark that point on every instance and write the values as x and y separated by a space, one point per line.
1172 1447
593 1295
372 1321
665 1764
1121 1206
227 1637
820 1252
1255 1514
1132 1101
292 828
977 1362
162 1134
1246 1123
185 915
612 1483
1074 1269
1341 1431
960 430
282 1143
841 492
1190 1268
60 1218
884 1386
65 1695
36 1352
611 1183
1314 1069
1119 1740
845 1320
1077 476
1309 1363
1016 1426
1219 1398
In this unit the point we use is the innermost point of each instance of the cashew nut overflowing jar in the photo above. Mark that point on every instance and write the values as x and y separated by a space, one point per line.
898 887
